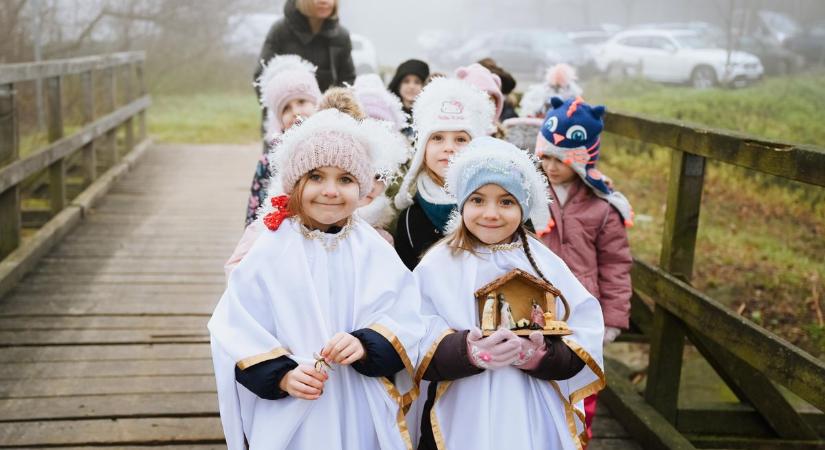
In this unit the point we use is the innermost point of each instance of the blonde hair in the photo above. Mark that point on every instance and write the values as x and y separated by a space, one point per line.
343 100
306 7
462 239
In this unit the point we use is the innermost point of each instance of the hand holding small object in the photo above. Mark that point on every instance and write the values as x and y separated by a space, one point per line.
304 382
499 349
531 348
343 349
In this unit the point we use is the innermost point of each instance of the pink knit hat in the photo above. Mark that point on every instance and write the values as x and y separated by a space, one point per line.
328 138
377 101
285 78
487 81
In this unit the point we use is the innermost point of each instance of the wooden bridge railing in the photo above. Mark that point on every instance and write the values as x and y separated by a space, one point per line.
748 358
96 141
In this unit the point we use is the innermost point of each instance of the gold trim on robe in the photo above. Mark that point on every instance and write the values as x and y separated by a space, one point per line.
425 362
405 400
438 437
275 353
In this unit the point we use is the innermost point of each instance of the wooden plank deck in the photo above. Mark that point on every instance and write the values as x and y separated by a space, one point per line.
105 345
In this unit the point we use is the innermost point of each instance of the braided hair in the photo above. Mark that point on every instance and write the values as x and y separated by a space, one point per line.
522 233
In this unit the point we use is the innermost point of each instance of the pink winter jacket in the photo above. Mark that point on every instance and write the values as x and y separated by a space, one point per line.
590 237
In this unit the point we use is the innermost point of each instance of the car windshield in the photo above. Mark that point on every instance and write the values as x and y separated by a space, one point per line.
695 41
779 22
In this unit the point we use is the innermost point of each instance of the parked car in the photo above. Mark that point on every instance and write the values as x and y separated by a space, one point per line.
363 54
677 56
523 52
775 29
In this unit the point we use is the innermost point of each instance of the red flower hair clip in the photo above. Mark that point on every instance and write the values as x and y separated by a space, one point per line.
273 220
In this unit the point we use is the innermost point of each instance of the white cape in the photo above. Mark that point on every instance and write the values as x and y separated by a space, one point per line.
289 296
506 408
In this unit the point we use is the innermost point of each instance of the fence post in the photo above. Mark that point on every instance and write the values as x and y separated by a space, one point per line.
88 153
130 122
57 171
9 152
111 157
667 341
141 93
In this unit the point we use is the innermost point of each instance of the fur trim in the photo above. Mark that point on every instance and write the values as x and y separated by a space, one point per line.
446 104
278 65
500 155
379 213
378 102
390 149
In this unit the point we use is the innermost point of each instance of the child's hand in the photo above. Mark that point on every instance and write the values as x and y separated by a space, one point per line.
500 349
532 350
304 382
344 349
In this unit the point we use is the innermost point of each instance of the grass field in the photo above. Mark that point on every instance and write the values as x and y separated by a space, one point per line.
760 245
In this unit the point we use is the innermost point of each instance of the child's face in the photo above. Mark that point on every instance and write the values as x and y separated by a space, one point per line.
330 195
441 146
378 188
410 87
297 107
492 214
557 172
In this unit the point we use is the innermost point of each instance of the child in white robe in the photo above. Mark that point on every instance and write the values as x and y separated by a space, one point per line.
314 338
501 391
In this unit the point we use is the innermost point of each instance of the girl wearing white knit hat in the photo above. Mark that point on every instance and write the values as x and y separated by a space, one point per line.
310 349
447 115
288 93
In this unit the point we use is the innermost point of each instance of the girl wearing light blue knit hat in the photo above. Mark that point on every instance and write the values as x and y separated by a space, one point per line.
526 387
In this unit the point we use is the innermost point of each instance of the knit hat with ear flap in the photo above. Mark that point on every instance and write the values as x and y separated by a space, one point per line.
487 160
284 78
487 81
446 104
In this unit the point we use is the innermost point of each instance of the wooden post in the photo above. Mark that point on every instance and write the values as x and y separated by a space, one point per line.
57 171
9 151
141 92
667 340
88 152
130 122
111 156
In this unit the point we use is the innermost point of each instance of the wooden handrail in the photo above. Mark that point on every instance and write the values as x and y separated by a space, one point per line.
805 163
17 171
15 73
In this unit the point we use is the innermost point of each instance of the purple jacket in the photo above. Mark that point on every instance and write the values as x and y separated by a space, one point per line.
590 237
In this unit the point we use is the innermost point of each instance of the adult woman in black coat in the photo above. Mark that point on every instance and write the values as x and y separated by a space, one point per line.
310 29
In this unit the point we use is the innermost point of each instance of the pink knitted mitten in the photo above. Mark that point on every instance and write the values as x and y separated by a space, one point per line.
532 350
497 350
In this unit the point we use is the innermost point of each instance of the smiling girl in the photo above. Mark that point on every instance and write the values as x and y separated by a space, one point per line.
501 391
310 349
447 115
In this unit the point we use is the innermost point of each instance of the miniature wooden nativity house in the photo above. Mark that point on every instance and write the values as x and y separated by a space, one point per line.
523 303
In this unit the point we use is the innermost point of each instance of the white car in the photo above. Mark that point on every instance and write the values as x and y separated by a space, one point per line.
363 55
676 56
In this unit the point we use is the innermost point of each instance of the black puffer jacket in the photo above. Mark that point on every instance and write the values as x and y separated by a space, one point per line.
330 50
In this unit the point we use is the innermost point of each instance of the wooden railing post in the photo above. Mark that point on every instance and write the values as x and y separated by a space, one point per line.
130 122
667 341
88 153
111 156
57 171
141 92
9 152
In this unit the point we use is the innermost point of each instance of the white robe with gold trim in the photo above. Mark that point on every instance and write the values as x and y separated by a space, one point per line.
290 295
506 408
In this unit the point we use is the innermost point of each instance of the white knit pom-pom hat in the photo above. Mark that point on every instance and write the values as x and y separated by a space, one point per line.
488 160
446 104
285 77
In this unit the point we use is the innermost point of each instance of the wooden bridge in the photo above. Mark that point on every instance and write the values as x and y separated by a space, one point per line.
105 293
